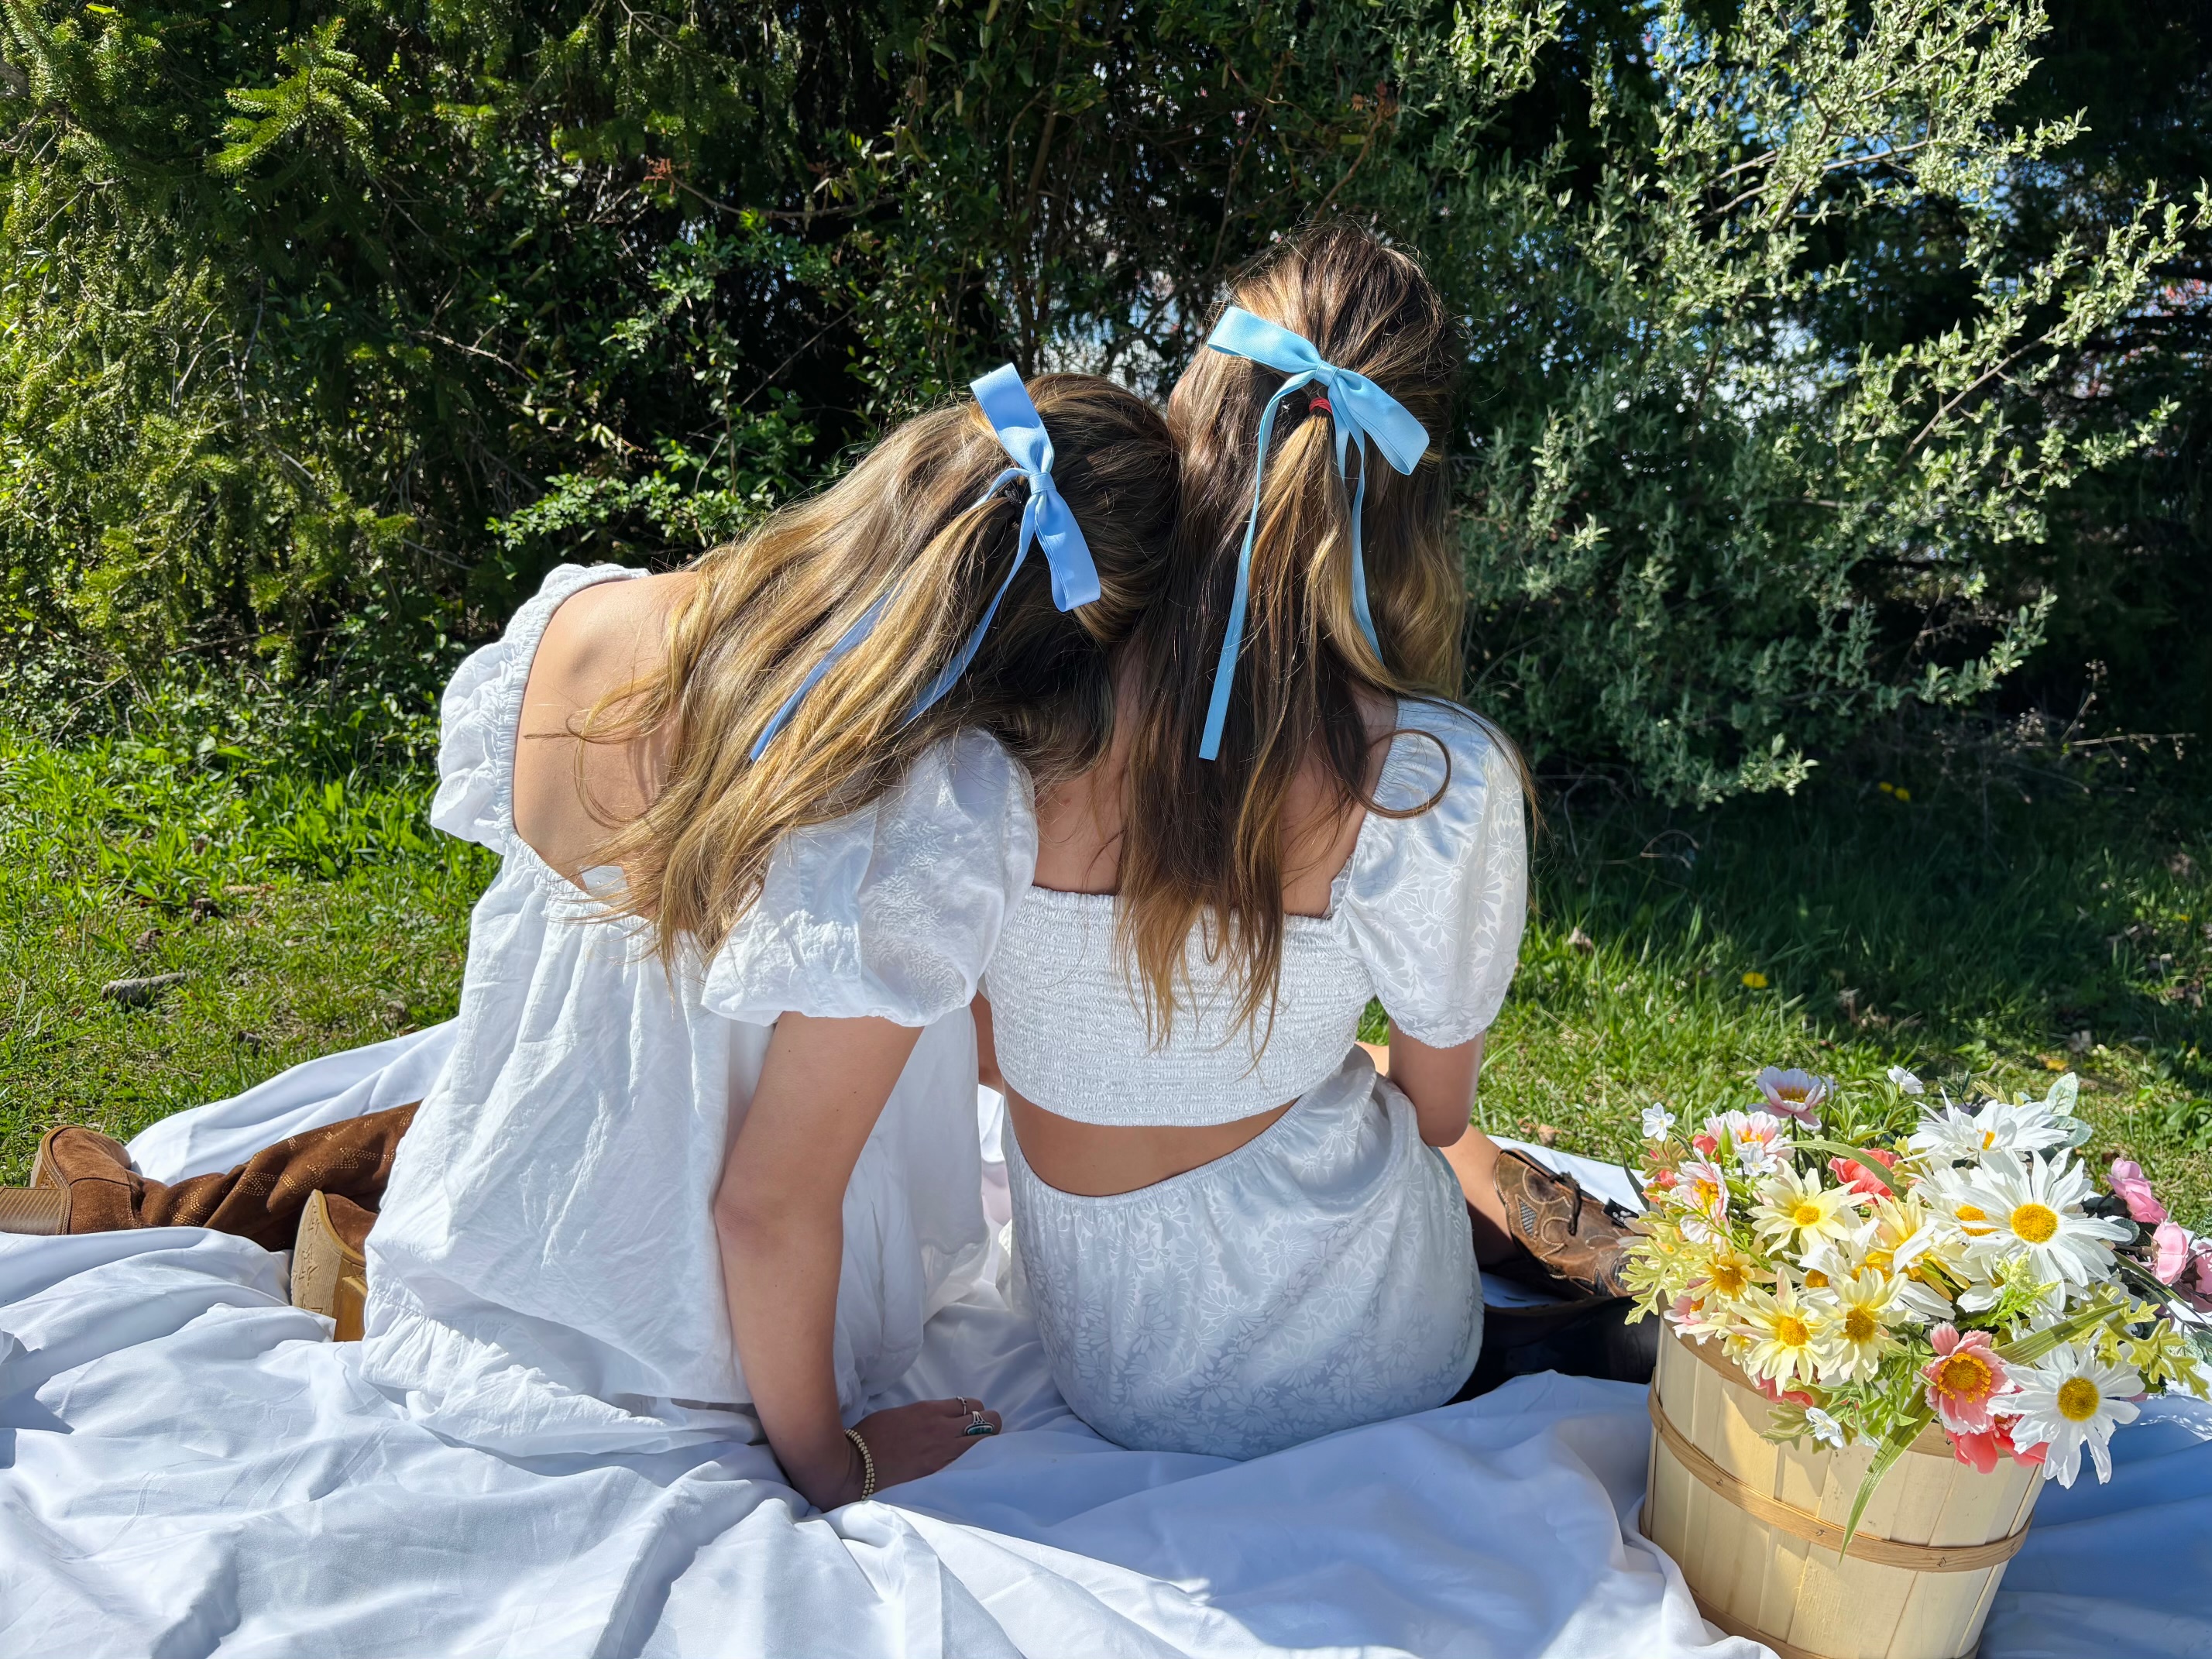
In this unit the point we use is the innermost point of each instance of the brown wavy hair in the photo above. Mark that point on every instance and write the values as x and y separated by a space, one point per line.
1208 847
908 522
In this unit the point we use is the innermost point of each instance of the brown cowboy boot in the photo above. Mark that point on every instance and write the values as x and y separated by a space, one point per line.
1569 1239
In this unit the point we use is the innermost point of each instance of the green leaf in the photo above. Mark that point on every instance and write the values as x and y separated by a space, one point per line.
1892 1447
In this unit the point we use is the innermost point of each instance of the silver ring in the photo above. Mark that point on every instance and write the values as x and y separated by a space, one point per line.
978 1424
970 1410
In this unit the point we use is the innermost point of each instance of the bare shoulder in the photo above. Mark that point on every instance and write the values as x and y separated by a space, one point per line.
606 635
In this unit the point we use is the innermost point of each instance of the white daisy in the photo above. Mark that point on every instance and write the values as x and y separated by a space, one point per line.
1956 1135
1788 1337
1901 1243
1866 1306
2032 1212
2072 1400
1658 1121
1795 1206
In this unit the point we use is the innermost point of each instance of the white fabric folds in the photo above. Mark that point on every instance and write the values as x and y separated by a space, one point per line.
545 1277
189 1466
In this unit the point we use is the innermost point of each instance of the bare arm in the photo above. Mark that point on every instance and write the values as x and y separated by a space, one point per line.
987 1050
1440 1082
779 1214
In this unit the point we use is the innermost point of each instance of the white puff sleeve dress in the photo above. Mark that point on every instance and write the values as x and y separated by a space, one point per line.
544 1276
1323 1274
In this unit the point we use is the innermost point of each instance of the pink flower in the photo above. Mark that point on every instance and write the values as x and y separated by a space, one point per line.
1983 1449
1963 1378
2175 1246
1767 1387
2126 1180
1706 1144
1797 1093
1853 1173
1702 1190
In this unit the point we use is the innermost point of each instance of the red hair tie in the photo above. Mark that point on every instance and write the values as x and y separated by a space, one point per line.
1319 405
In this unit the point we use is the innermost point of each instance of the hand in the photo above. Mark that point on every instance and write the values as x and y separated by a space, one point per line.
909 1442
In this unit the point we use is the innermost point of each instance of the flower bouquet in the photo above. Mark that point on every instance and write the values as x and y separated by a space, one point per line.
1876 1268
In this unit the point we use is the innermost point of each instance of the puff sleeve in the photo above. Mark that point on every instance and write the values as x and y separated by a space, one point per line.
483 702
1436 903
893 911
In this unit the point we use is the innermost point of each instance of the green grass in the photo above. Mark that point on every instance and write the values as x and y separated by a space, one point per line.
1969 946
1980 951
307 918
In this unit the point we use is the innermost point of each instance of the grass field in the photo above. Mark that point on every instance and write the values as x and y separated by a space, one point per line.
1844 931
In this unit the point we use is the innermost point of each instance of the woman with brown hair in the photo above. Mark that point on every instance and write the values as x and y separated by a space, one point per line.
1234 1236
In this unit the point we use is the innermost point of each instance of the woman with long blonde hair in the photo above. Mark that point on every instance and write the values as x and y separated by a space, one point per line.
705 1158
1234 1235
701 1158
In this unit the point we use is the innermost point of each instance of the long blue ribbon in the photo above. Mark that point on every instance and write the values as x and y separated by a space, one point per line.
1047 522
1362 413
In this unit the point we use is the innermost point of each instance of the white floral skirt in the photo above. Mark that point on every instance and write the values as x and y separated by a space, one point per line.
1319 1277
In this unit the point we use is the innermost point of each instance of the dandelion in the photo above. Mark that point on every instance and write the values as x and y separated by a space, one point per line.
2071 1400
1755 981
2033 1211
1658 1121
1788 1334
1963 1378
1792 1205
1793 1093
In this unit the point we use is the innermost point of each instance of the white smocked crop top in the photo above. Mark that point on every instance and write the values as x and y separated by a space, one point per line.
1426 915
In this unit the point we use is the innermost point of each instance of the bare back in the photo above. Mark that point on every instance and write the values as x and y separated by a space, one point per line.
570 795
1079 851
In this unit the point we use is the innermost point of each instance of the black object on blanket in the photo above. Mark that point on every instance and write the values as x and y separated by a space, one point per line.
1591 1337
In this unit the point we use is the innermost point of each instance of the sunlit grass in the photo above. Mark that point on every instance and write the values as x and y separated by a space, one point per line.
1848 932
1670 958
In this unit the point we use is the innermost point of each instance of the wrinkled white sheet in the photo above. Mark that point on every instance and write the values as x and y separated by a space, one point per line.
188 1466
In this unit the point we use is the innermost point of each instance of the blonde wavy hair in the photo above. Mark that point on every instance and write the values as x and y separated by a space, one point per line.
1208 847
909 526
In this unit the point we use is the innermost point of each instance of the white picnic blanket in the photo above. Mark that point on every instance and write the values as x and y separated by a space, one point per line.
189 1466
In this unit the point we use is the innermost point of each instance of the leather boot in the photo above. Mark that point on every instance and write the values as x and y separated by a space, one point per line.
260 1199
1571 1242
329 1268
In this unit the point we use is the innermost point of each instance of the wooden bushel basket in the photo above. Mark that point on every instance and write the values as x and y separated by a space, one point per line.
1754 1526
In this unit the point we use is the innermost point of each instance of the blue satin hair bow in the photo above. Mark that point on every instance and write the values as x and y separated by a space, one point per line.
1362 413
1046 522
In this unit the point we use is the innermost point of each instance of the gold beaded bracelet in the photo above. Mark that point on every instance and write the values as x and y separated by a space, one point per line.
867 1465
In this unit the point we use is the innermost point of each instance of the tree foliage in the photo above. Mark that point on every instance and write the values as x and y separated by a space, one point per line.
1796 364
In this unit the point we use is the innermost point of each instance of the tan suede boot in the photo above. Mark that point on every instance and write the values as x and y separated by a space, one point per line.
329 1268
260 1199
